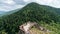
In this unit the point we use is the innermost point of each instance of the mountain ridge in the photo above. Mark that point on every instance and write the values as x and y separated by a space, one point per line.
57 10
31 12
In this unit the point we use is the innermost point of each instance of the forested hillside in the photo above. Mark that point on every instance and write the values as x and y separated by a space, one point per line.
31 12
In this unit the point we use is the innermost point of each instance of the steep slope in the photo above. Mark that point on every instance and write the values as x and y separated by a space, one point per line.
31 12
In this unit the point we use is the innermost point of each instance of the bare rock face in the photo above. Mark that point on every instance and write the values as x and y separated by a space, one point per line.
25 28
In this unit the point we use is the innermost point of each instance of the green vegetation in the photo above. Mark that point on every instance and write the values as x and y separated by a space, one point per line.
9 24
36 31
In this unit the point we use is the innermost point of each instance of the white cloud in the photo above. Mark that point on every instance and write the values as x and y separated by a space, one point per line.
2 9
10 2
5 8
43 1
8 8
19 6
28 1
7 5
53 3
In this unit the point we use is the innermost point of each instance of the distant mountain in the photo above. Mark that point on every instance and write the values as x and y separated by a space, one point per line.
31 12
3 13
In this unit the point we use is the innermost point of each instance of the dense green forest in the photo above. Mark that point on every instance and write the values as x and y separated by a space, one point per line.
43 15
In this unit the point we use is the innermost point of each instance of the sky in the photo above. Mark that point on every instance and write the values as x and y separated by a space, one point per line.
8 5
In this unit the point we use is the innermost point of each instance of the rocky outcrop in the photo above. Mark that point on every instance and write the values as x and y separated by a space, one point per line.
25 28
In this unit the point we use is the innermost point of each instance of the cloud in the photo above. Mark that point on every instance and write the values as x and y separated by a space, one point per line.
8 8
28 1
53 3
44 1
9 2
20 2
7 5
